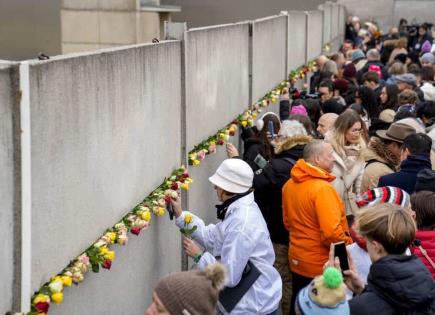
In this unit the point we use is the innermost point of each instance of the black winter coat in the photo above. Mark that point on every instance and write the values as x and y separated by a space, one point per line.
407 176
268 183
397 285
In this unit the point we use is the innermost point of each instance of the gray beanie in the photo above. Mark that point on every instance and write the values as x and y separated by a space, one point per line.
428 58
192 292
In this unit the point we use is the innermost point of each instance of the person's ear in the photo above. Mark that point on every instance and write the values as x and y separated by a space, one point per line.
379 249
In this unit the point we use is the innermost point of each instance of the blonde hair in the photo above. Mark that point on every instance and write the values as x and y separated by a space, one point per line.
342 124
391 225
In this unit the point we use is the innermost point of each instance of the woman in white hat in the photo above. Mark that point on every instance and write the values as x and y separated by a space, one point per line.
240 241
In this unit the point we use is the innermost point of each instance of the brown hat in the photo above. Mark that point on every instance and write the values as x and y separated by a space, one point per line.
192 292
396 132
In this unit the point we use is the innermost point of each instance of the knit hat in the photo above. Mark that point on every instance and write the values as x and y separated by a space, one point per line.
357 54
387 115
425 180
426 47
324 295
299 110
192 292
407 78
428 58
387 194
349 71
341 85
234 176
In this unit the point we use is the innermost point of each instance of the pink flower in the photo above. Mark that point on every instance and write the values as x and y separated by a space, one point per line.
201 155
84 259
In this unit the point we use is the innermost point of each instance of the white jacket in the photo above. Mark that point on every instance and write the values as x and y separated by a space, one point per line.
242 236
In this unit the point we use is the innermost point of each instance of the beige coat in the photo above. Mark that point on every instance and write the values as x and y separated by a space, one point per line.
386 163
347 181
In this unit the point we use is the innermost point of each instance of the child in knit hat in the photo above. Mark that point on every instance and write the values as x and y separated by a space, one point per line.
192 292
324 295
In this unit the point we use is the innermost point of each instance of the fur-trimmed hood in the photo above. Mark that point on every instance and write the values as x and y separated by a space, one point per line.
377 150
291 142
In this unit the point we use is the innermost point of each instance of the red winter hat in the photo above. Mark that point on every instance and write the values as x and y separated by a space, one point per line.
349 71
341 85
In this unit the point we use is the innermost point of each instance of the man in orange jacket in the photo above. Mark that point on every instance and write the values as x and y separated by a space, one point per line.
313 213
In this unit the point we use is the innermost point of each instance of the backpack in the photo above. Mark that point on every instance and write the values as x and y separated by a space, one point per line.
377 69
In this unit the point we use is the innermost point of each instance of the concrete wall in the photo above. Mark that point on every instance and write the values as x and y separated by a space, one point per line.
97 150
7 191
269 54
314 34
297 39
418 10
327 22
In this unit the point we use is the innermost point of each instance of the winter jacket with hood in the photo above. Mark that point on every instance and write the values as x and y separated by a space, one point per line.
397 284
428 91
314 216
426 240
379 162
268 183
407 176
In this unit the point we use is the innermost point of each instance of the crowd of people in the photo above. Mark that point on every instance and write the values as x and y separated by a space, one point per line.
346 165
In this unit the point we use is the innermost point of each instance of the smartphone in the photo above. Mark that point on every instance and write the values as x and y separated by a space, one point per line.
260 161
341 252
271 129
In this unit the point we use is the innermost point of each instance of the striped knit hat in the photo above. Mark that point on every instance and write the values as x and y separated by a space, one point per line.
385 194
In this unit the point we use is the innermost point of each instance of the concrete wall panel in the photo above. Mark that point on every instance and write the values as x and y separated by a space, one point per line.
269 56
217 74
314 34
327 22
297 39
418 10
7 190
342 22
97 150
335 22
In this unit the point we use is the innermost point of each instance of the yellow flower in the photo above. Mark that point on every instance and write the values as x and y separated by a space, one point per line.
185 186
56 285
66 280
111 236
104 250
196 162
161 212
192 156
146 215
244 123
189 180
57 297
41 298
110 255
188 218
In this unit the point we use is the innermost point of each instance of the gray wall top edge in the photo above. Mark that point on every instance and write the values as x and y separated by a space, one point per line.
99 52
268 18
218 26
315 12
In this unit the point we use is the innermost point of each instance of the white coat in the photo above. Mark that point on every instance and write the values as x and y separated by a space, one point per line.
240 237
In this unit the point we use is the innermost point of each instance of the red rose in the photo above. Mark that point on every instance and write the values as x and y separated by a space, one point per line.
167 200
174 186
185 175
108 263
135 230
42 307
220 142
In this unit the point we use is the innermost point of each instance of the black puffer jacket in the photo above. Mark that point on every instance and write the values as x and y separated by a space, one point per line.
268 184
397 285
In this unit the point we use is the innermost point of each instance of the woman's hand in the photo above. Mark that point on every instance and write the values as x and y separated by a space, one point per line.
176 205
351 277
191 248
231 150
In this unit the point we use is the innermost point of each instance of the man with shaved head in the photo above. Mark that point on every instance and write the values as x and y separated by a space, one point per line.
325 123
373 64
313 213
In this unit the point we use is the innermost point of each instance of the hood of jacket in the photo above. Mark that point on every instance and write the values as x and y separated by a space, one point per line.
415 163
303 171
291 142
402 281
379 152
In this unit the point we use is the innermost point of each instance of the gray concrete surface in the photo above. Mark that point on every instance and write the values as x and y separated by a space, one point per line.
327 21
269 54
97 150
217 74
314 34
297 39
7 189
418 10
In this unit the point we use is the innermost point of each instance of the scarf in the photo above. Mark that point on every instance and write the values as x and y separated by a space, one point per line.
221 209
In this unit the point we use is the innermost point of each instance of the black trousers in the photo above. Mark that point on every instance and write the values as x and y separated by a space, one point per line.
298 283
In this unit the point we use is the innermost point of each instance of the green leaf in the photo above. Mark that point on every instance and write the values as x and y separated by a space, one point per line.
95 268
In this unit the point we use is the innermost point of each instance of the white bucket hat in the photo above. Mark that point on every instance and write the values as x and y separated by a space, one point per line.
234 176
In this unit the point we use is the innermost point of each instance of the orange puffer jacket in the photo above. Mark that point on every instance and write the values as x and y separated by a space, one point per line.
314 215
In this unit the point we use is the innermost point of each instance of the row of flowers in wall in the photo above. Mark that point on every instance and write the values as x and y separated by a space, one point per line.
208 146
100 254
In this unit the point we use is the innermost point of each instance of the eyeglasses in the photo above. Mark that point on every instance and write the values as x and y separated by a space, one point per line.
356 131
